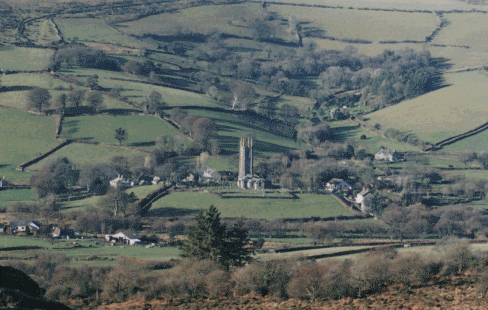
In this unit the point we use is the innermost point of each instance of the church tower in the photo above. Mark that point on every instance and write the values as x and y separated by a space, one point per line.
245 157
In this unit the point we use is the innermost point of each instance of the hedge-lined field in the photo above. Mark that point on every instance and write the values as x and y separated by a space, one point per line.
203 19
23 136
142 130
454 109
391 4
23 58
346 130
82 154
189 204
365 25
138 92
231 127
93 29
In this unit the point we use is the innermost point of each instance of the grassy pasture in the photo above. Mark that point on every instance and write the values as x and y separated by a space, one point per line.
18 100
231 127
42 32
372 49
298 254
142 130
92 29
83 154
393 4
33 80
476 143
83 74
464 29
346 130
23 58
7 197
454 109
10 241
190 203
173 97
22 137
366 25
203 19
460 58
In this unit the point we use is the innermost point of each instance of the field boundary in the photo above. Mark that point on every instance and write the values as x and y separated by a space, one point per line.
37 159
439 145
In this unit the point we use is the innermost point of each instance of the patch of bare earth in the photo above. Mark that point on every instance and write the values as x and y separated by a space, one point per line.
452 293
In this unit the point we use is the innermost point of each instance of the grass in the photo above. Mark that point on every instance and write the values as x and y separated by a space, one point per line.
346 130
173 97
42 32
83 154
22 136
393 4
32 80
454 109
366 25
143 191
476 143
189 204
17 195
95 30
231 127
23 58
142 130
18 100
202 19
102 74
298 254
9 241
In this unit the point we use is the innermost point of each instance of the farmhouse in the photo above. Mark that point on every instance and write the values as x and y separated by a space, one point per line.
120 182
125 237
387 155
17 226
337 185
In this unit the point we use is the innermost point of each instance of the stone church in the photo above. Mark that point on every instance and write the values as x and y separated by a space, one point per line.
246 179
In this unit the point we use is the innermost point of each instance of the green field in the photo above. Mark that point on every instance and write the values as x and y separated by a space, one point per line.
365 25
23 58
346 130
189 204
142 130
202 19
9 241
33 80
138 92
23 136
464 29
457 108
231 127
476 143
95 30
8 197
393 4
83 154
18 100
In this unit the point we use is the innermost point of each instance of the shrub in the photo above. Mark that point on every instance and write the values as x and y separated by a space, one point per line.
362 137
264 278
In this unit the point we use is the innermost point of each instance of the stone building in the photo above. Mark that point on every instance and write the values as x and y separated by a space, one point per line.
246 178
